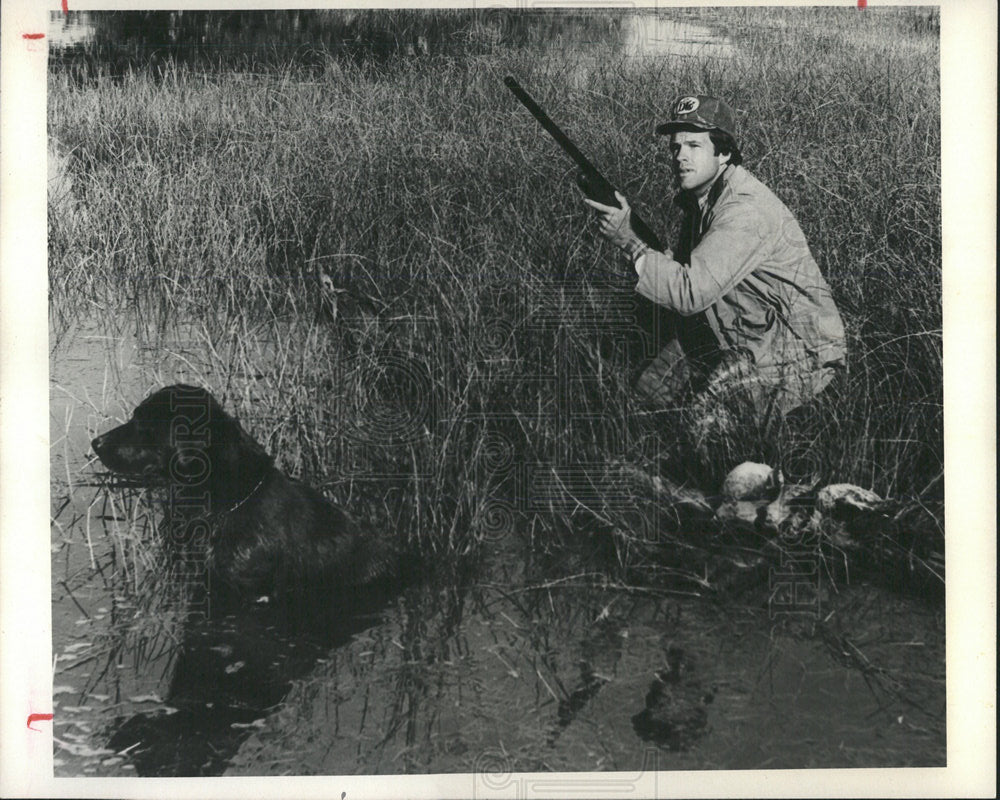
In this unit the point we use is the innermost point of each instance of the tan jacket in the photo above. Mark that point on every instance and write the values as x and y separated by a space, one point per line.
749 269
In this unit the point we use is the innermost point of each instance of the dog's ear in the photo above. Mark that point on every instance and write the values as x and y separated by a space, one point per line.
234 451
209 444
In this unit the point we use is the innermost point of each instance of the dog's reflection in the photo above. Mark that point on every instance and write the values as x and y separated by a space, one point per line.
231 670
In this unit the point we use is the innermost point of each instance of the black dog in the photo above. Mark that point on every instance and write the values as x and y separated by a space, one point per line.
266 533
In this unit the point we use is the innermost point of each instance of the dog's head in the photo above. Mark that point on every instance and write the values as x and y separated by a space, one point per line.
180 434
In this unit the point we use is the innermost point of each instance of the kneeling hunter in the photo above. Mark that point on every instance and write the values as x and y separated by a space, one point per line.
753 313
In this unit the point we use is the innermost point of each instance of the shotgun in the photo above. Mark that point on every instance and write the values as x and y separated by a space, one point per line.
590 179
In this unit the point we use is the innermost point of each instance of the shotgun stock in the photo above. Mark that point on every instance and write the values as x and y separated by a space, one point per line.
590 179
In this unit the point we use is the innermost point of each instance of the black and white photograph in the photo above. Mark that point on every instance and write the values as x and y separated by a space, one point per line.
548 399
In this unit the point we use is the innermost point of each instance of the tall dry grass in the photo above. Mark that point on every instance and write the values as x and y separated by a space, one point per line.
494 336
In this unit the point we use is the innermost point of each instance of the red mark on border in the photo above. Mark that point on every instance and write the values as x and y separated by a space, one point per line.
65 5
32 35
37 718
861 3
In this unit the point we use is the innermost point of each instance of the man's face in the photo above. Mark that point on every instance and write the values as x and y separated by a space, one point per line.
693 158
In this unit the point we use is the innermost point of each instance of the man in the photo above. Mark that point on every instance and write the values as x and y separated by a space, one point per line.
754 320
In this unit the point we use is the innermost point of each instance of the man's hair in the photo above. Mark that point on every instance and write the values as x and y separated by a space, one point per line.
726 145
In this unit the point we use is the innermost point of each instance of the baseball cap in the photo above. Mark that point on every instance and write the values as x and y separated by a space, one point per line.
701 111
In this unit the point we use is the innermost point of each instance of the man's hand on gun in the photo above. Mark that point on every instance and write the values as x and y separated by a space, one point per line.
627 231
616 226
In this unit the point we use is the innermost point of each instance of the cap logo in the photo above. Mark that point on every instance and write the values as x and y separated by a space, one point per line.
686 105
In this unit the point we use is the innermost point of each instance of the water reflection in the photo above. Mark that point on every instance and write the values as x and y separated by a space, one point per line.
73 30
227 673
549 678
652 35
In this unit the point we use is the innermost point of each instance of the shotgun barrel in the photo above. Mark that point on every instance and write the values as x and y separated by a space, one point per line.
591 181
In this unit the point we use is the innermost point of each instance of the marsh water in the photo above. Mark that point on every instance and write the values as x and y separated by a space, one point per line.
117 41
531 662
